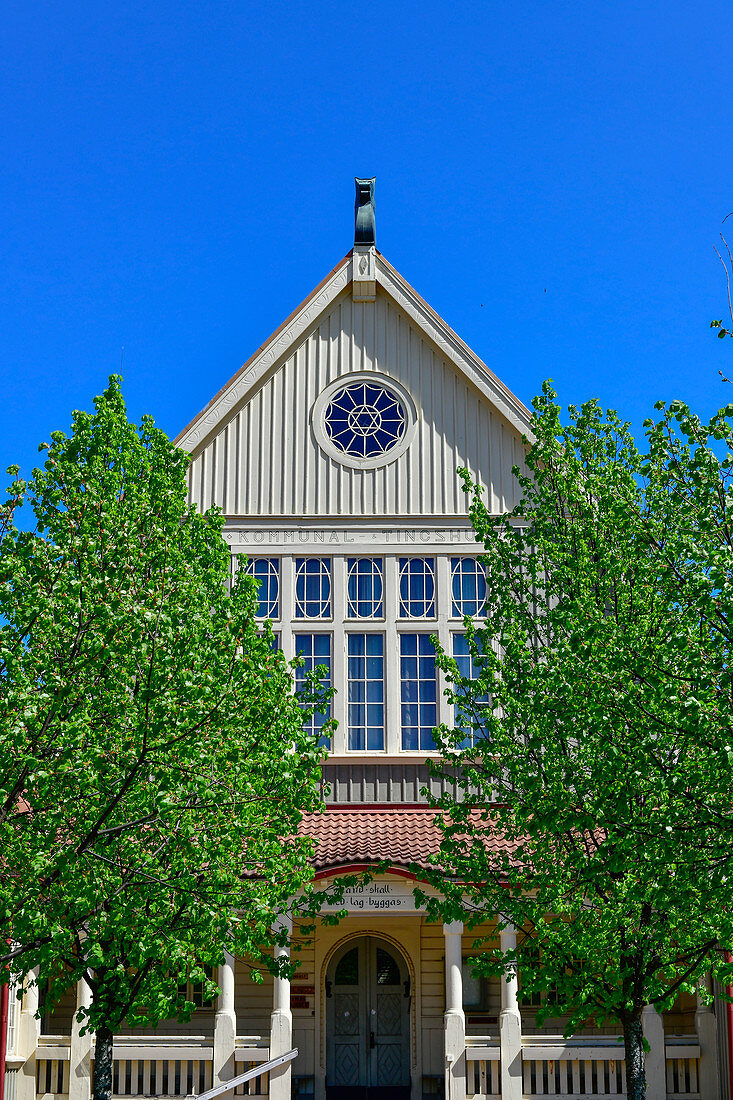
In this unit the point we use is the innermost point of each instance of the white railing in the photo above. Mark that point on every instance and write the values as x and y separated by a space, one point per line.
52 1067
585 1068
170 1066
160 1077
52 1078
248 1057
483 1081
683 1068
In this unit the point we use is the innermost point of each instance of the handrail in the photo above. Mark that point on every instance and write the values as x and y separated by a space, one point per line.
264 1067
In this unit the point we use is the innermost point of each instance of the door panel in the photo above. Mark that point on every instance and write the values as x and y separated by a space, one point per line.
367 1023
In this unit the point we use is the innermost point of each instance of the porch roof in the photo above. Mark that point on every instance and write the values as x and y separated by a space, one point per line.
348 835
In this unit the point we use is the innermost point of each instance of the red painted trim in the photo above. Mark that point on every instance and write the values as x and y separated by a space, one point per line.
729 1029
4 994
355 868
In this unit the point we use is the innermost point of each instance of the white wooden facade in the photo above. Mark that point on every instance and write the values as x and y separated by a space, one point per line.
384 1007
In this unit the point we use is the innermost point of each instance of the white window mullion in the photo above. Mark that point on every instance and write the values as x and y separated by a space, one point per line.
287 609
393 741
339 704
443 599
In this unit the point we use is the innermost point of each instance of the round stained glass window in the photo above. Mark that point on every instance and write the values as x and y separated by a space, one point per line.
364 420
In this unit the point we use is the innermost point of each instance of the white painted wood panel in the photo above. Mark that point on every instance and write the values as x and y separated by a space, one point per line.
264 461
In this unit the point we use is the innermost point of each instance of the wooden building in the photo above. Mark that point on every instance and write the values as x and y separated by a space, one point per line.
333 453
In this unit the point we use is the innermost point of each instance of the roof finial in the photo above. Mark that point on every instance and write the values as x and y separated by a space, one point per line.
364 212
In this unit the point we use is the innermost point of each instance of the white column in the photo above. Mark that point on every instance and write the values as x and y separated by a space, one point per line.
454 1020
510 1024
80 1068
29 1031
225 1023
281 1022
707 1034
655 1068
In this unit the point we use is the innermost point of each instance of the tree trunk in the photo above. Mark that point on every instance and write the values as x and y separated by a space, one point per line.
103 1064
634 1051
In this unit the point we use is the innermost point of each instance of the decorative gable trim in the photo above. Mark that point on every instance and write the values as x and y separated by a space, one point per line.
451 345
318 301
278 345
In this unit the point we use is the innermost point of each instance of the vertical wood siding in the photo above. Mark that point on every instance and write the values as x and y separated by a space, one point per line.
265 461
432 979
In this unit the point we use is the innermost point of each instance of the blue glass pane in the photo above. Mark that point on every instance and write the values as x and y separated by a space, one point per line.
373 667
375 740
409 739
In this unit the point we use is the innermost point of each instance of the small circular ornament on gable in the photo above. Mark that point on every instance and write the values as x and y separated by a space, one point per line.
364 420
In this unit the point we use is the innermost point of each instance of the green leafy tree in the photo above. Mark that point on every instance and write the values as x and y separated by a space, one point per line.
595 736
153 761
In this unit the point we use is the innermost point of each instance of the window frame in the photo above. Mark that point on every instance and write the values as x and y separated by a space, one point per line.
455 560
326 561
384 750
419 703
317 721
270 559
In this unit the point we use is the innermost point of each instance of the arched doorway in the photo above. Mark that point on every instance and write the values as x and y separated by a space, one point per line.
367 1022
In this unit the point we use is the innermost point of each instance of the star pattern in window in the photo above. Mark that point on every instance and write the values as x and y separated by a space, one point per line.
364 419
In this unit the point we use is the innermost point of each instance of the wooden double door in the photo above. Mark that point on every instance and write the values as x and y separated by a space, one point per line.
368 1023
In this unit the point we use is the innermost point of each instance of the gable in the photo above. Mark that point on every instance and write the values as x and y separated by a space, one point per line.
257 451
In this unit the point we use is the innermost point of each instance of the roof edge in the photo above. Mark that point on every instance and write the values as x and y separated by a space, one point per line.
450 343
184 438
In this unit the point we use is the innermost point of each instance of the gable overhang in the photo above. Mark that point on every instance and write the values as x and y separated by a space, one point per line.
307 315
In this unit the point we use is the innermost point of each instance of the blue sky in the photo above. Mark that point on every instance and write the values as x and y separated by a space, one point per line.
552 177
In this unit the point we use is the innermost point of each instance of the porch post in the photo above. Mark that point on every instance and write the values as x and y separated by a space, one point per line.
80 1062
454 1020
510 1024
707 1034
655 1066
225 1024
29 1032
281 1022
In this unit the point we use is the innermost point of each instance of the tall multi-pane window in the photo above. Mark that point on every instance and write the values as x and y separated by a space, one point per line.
417 588
365 588
267 572
312 588
365 655
13 1006
468 586
418 691
315 649
462 714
